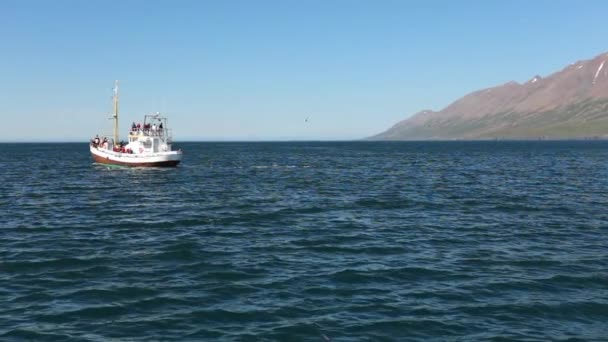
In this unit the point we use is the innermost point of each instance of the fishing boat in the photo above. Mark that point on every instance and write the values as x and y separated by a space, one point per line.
149 143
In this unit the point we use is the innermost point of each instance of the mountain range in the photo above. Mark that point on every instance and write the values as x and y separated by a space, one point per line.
571 103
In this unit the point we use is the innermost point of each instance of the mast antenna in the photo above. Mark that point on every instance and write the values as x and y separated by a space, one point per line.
115 115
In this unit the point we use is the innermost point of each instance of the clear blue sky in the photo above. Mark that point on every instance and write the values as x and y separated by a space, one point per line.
255 70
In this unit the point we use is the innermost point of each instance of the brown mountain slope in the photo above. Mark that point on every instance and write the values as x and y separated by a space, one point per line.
571 103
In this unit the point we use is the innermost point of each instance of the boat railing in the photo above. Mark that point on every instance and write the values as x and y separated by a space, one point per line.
149 132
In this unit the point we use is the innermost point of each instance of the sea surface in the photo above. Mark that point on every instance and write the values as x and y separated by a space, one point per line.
307 241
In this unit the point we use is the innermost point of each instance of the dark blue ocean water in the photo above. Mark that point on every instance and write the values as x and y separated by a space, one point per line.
341 241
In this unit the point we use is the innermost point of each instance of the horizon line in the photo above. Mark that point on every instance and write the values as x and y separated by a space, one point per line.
330 140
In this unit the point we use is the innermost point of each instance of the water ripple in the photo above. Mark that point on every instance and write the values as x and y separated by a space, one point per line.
307 241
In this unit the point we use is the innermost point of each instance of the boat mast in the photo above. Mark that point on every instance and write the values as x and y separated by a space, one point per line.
115 115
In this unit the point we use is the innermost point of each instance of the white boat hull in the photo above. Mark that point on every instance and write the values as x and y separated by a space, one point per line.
159 159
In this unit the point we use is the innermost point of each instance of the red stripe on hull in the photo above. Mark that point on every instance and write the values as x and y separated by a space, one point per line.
102 160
